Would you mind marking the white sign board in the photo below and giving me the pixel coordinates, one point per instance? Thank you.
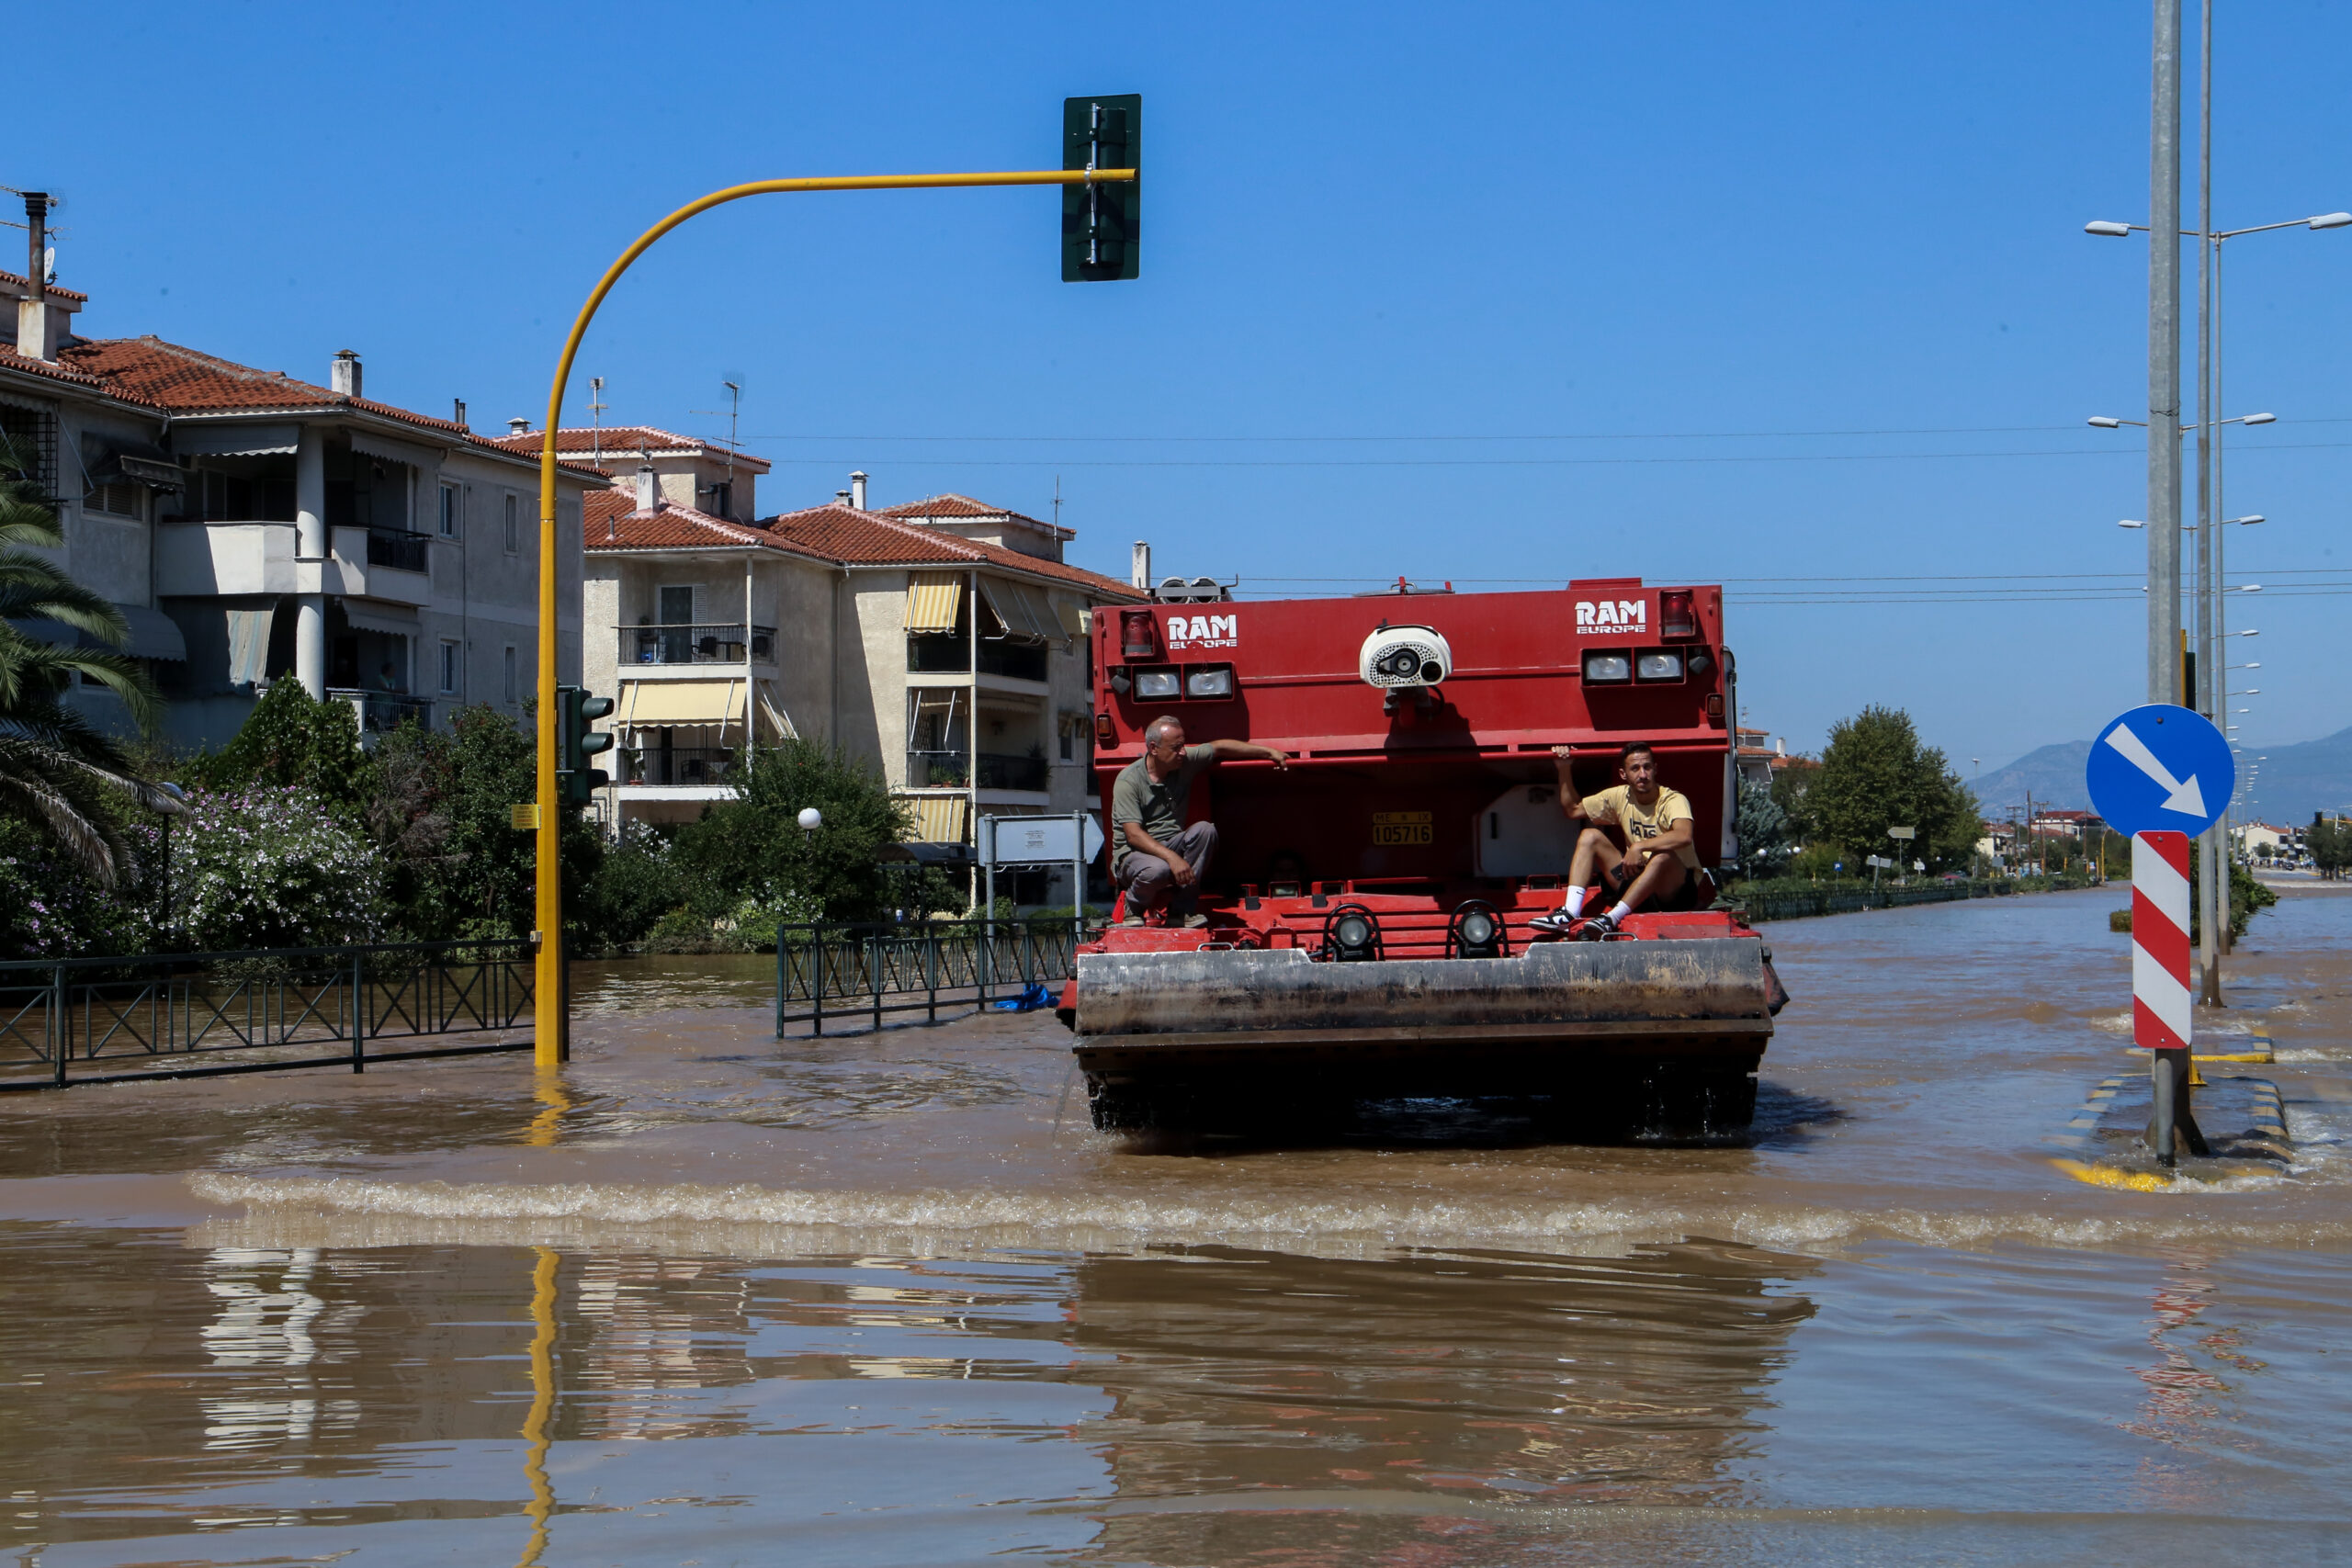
(1905, 833)
(1039, 840)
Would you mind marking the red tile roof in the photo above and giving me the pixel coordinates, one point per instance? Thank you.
(177, 381)
(11, 360)
(958, 506)
(871, 538)
(836, 534)
(624, 440)
(15, 280)
(612, 523)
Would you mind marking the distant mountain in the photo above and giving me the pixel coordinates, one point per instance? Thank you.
(2315, 776)
(2296, 781)
(2054, 774)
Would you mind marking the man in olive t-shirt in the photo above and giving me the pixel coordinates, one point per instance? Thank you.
(1160, 860)
(1658, 864)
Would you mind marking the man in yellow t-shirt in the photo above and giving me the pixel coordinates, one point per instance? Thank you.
(1656, 863)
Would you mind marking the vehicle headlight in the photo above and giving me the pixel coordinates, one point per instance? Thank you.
(1478, 929)
(1209, 680)
(1659, 667)
(1600, 666)
(1155, 682)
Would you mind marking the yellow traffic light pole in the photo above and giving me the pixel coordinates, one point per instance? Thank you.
(553, 1032)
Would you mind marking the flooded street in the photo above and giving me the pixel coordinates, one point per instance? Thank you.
(713, 1298)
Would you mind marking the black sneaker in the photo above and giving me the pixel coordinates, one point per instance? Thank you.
(1601, 927)
(1554, 922)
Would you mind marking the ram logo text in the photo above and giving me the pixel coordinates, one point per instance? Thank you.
(1604, 617)
(1203, 631)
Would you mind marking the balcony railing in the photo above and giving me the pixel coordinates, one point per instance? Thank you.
(380, 713)
(673, 765)
(953, 655)
(401, 551)
(701, 643)
(952, 770)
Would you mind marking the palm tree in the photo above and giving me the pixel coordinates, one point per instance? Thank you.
(55, 766)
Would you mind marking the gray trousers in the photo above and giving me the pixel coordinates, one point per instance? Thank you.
(1150, 882)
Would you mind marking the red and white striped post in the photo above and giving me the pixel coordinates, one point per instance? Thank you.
(2160, 994)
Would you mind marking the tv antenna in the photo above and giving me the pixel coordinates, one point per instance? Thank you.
(733, 411)
(1058, 501)
(596, 406)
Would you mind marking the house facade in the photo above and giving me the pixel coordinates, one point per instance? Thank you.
(941, 641)
(253, 526)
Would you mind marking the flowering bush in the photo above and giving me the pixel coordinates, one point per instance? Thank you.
(271, 867)
(50, 909)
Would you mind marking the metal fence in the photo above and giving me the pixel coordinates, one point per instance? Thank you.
(158, 1015)
(859, 974)
(1842, 899)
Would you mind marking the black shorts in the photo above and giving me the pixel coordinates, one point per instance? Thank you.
(1697, 892)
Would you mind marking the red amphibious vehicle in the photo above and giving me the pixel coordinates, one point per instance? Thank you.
(1368, 907)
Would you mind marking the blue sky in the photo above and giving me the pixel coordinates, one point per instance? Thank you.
(1483, 293)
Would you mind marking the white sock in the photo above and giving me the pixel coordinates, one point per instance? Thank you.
(1576, 901)
(1619, 911)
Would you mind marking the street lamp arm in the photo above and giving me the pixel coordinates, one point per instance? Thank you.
(548, 1002)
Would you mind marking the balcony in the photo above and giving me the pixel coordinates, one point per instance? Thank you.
(952, 770)
(953, 655)
(673, 765)
(400, 550)
(716, 642)
(380, 713)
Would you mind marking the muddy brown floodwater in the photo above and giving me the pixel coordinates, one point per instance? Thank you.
(713, 1298)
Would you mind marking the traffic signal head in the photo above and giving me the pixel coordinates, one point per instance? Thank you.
(576, 740)
(1102, 224)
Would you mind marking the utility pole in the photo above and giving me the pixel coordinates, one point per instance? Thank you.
(2163, 361)
(2211, 679)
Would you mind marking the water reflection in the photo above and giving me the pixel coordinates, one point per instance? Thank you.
(1549, 1379)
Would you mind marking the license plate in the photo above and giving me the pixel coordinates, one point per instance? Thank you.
(1402, 828)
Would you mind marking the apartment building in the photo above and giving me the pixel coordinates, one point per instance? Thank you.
(941, 640)
(253, 526)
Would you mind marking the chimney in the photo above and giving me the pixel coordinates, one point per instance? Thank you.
(518, 427)
(857, 491)
(1139, 573)
(458, 415)
(343, 376)
(841, 497)
(649, 489)
(32, 311)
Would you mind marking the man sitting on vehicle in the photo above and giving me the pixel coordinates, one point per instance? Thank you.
(1656, 865)
(1162, 860)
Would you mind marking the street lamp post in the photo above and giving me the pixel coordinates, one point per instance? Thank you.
(551, 1029)
(2210, 556)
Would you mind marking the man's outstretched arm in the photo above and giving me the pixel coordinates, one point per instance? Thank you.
(1237, 751)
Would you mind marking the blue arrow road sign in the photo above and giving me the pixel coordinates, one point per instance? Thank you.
(2161, 767)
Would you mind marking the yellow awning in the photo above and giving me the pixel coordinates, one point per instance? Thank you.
(683, 702)
(938, 818)
(1026, 610)
(774, 720)
(935, 599)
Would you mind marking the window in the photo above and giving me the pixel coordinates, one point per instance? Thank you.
(506, 682)
(31, 433)
(449, 511)
(450, 663)
(514, 525)
(119, 498)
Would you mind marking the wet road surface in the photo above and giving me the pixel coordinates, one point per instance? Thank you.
(714, 1298)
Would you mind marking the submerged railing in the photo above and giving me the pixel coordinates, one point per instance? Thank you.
(157, 1015)
(851, 973)
(1845, 898)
